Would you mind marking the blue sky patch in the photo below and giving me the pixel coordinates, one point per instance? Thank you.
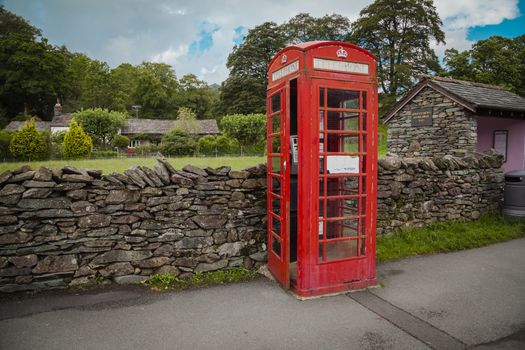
(239, 33)
(509, 28)
(205, 41)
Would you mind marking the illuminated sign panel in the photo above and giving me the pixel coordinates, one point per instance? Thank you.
(286, 70)
(341, 66)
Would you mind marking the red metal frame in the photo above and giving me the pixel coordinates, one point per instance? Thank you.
(321, 276)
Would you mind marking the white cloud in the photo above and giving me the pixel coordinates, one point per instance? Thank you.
(171, 55)
(132, 31)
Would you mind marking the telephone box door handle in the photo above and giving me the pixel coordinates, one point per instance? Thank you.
(284, 165)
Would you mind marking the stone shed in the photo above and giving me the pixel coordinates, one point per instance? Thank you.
(443, 116)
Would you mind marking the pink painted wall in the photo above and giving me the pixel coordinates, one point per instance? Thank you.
(515, 140)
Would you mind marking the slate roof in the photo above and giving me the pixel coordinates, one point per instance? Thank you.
(62, 119)
(161, 126)
(473, 96)
(17, 125)
(133, 126)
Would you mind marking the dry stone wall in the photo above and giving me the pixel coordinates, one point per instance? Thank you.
(414, 192)
(70, 227)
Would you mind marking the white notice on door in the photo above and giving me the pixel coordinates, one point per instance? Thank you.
(342, 165)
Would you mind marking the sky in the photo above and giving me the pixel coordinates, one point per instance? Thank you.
(197, 36)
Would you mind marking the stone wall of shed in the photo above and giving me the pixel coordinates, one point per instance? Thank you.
(453, 131)
(67, 227)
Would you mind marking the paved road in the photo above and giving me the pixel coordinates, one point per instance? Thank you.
(465, 299)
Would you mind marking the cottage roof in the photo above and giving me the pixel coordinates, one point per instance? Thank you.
(62, 119)
(17, 125)
(161, 126)
(473, 96)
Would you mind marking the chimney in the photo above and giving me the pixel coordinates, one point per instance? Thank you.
(58, 108)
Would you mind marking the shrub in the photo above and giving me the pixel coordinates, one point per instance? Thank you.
(206, 145)
(120, 141)
(28, 143)
(177, 143)
(77, 144)
(100, 124)
(5, 140)
(103, 154)
(248, 129)
(146, 149)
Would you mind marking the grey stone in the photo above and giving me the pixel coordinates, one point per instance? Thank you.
(11, 189)
(24, 260)
(43, 174)
(260, 256)
(194, 242)
(83, 207)
(122, 196)
(162, 172)
(48, 203)
(117, 269)
(203, 267)
(47, 213)
(121, 255)
(94, 221)
(8, 219)
(56, 263)
(210, 221)
(238, 174)
(77, 194)
(15, 238)
(153, 262)
(37, 193)
(28, 175)
(14, 271)
(101, 232)
(168, 270)
(69, 186)
(77, 178)
(5, 176)
(39, 184)
(230, 249)
(195, 170)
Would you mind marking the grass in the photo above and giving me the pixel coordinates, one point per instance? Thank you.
(121, 164)
(382, 135)
(448, 237)
(171, 282)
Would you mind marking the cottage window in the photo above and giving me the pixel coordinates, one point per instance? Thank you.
(134, 143)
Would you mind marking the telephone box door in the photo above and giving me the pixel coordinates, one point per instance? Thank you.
(278, 145)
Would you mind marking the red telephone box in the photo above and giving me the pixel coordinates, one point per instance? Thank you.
(322, 167)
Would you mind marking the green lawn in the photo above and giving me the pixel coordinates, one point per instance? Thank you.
(121, 164)
(448, 237)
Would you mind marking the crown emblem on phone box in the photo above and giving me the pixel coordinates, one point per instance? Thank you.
(342, 53)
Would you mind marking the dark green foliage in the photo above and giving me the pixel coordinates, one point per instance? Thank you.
(77, 144)
(5, 140)
(11, 23)
(196, 95)
(215, 145)
(244, 90)
(496, 60)
(100, 124)
(177, 143)
(247, 129)
(399, 33)
(448, 237)
(120, 141)
(27, 143)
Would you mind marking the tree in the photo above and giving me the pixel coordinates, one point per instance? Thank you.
(304, 27)
(496, 60)
(32, 74)
(5, 141)
(246, 129)
(399, 32)
(197, 95)
(11, 23)
(77, 144)
(120, 141)
(27, 143)
(156, 90)
(177, 143)
(187, 121)
(100, 124)
(123, 82)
